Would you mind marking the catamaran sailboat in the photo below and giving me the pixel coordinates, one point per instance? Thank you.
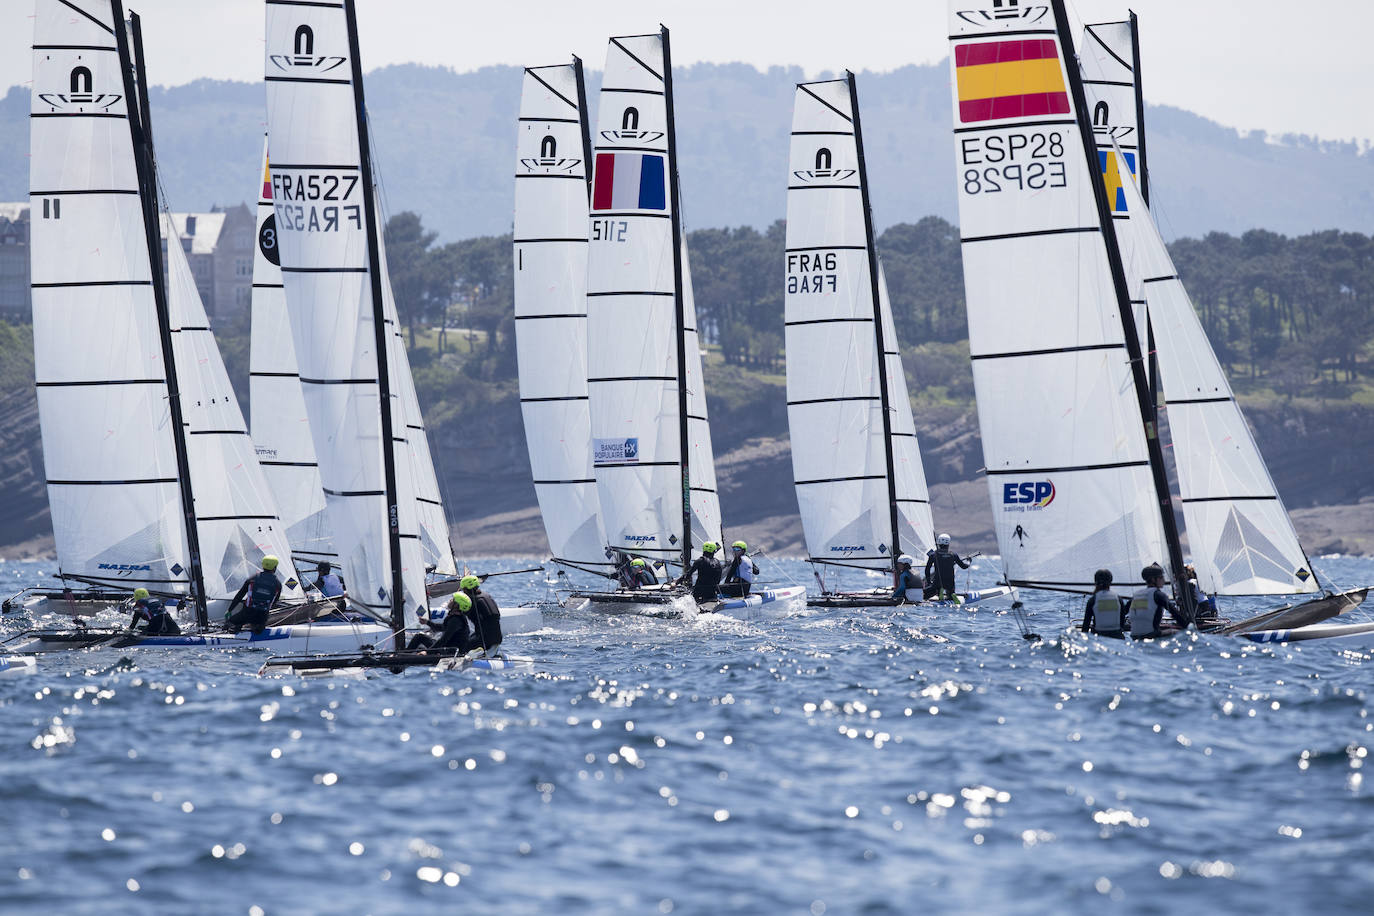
(151, 475)
(856, 463)
(1070, 428)
(651, 440)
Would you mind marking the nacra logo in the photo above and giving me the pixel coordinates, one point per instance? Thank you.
(641, 538)
(853, 548)
(127, 567)
(1027, 496)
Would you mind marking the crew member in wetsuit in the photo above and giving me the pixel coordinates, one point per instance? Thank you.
(330, 584)
(910, 586)
(1203, 603)
(940, 569)
(486, 614)
(707, 570)
(739, 575)
(1148, 604)
(454, 632)
(151, 617)
(258, 595)
(1103, 613)
(624, 573)
(640, 574)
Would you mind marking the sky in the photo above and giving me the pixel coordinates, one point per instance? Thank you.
(1271, 65)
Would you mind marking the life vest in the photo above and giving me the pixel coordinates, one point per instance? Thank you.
(1142, 612)
(1106, 612)
(264, 591)
(331, 586)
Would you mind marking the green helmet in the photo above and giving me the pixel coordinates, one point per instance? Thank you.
(709, 547)
(462, 602)
(140, 593)
(269, 562)
(467, 583)
(739, 545)
(636, 562)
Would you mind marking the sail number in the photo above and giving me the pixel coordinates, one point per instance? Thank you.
(1013, 162)
(812, 272)
(609, 230)
(308, 189)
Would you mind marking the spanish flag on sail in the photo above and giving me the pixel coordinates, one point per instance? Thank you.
(266, 179)
(1009, 79)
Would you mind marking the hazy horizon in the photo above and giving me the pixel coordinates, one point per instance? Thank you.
(1263, 68)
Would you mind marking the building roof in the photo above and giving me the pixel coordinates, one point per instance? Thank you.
(14, 210)
(207, 229)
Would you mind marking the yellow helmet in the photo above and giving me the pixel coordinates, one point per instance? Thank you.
(462, 602)
(269, 562)
(636, 562)
(140, 593)
(469, 582)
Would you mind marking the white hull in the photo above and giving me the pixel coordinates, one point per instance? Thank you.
(769, 602)
(316, 637)
(14, 665)
(1347, 635)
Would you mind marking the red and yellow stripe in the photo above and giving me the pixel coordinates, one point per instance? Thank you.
(1009, 79)
(266, 180)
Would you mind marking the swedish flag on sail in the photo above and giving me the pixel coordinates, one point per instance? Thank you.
(1112, 177)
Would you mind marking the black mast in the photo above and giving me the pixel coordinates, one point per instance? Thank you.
(1148, 409)
(140, 127)
(1142, 174)
(398, 620)
(583, 125)
(877, 320)
(679, 305)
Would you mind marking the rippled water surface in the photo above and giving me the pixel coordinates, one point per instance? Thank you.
(850, 761)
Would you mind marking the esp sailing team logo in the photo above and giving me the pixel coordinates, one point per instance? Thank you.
(82, 95)
(1027, 496)
(548, 162)
(1003, 10)
(825, 170)
(303, 58)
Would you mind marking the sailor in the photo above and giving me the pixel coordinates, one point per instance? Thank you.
(640, 574)
(258, 595)
(739, 575)
(1103, 614)
(940, 569)
(910, 586)
(486, 614)
(1148, 604)
(1205, 606)
(330, 584)
(151, 617)
(623, 571)
(454, 632)
(707, 570)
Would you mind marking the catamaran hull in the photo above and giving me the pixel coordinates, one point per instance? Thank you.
(318, 637)
(14, 665)
(750, 607)
(357, 664)
(1347, 635)
(883, 598)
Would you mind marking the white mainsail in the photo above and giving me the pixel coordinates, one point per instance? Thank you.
(108, 447)
(1240, 536)
(856, 474)
(280, 423)
(639, 319)
(236, 516)
(1069, 466)
(323, 211)
(551, 212)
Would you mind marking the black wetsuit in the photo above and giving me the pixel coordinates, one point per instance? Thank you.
(258, 595)
(151, 618)
(940, 572)
(486, 619)
(641, 576)
(907, 580)
(708, 571)
(455, 632)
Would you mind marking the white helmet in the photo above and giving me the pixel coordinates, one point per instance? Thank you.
(904, 560)
(942, 541)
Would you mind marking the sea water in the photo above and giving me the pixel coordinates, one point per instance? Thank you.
(891, 760)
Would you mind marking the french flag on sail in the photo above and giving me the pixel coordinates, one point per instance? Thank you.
(629, 181)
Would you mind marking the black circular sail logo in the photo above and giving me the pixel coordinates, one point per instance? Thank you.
(267, 240)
